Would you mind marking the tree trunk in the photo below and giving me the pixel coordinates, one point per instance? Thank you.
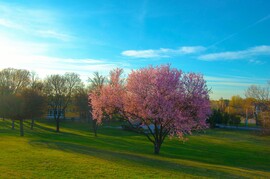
(32, 124)
(95, 126)
(256, 120)
(256, 116)
(95, 131)
(13, 124)
(246, 121)
(21, 127)
(156, 148)
(57, 125)
(88, 117)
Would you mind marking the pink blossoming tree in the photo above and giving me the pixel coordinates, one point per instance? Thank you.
(164, 99)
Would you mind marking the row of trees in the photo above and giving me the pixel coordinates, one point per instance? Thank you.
(163, 100)
(24, 96)
(255, 105)
(175, 103)
(20, 96)
(219, 117)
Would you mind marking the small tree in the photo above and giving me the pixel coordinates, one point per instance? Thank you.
(173, 102)
(235, 120)
(2, 107)
(13, 105)
(59, 90)
(34, 104)
(261, 96)
(12, 82)
(215, 118)
(225, 118)
(236, 105)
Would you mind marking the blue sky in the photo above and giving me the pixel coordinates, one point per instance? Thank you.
(227, 41)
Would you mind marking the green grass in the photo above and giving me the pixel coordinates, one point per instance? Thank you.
(76, 153)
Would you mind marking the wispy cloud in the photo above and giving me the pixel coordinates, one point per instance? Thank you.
(234, 81)
(163, 52)
(11, 47)
(258, 62)
(237, 55)
(34, 22)
(32, 56)
(46, 65)
(267, 17)
(8, 24)
(142, 53)
(226, 86)
(54, 34)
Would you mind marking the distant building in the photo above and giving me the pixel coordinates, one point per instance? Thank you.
(70, 113)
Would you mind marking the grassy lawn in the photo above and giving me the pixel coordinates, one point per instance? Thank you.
(76, 153)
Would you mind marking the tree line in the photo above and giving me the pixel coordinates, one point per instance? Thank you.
(25, 96)
(255, 105)
(164, 101)
(156, 101)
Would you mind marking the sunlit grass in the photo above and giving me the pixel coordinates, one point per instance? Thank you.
(76, 153)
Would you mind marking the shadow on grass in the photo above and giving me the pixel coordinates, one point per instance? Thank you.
(199, 159)
(43, 128)
(125, 141)
(6, 127)
(49, 132)
(156, 162)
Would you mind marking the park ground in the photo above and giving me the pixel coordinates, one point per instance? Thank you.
(115, 153)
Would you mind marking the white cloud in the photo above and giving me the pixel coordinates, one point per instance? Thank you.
(191, 49)
(142, 53)
(163, 52)
(237, 55)
(54, 34)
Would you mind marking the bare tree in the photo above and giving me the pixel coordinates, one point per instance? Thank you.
(261, 97)
(35, 82)
(97, 81)
(59, 90)
(13, 80)
(258, 92)
(35, 98)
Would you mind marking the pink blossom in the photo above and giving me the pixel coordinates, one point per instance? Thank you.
(174, 102)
